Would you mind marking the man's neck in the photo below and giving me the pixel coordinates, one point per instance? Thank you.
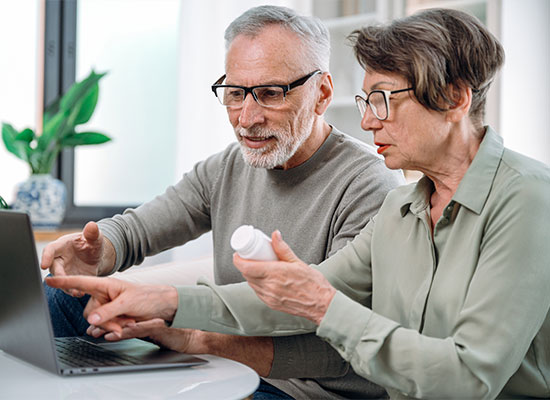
(319, 133)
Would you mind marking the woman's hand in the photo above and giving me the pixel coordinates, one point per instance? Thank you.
(115, 303)
(288, 285)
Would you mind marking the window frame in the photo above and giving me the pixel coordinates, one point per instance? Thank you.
(59, 74)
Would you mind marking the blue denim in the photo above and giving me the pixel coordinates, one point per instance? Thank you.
(267, 391)
(66, 312)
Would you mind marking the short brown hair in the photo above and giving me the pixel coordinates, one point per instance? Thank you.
(433, 49)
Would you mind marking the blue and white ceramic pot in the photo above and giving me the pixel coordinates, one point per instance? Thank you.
(44, 198)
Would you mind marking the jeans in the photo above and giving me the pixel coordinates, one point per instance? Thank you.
(267, 391)
(66, 312)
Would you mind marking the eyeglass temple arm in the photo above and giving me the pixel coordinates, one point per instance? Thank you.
(218, 82)
(302, 80)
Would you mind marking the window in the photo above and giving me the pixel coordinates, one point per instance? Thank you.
(20, 98)
(138, 99)
(155, 102)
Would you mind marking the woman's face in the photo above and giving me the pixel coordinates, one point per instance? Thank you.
(413, 136)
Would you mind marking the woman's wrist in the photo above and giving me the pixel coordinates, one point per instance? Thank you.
(325, 298)
(169, 301)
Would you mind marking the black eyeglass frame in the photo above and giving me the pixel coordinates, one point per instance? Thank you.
(250, 89)
(386, 93)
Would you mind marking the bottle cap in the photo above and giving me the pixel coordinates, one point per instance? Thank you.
(241, 237)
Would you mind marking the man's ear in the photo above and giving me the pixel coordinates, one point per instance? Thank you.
(324, 93)
(461, 95)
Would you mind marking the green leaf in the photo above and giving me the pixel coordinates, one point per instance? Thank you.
(51, 110)
(35, 160)
(87, 106)
(52, 129)
(27, 135)
(9, 133)
(84, 138)
(79, 90)
(3, 203)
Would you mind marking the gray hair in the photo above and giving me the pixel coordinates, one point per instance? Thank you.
(314, 34)
(434, 50)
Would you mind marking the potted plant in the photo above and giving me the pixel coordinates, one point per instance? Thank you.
(42, 196)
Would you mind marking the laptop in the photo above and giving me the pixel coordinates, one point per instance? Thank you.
(25, 326)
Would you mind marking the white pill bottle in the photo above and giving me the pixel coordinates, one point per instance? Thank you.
(252, 244)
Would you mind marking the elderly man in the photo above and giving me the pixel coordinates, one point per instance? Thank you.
(290, 170)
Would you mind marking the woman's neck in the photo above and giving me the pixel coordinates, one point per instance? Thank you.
(454, 161)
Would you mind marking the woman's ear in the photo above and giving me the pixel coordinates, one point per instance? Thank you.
(461, 95)
(324, 93)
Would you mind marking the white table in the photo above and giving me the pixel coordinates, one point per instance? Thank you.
(219, 379)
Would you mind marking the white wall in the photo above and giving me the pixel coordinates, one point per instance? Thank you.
(525, 82)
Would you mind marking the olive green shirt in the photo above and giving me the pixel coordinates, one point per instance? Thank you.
(460, 313)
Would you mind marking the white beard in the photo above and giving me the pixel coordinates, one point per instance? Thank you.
(274, 154)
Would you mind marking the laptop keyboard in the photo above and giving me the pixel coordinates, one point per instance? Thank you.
(78, 353)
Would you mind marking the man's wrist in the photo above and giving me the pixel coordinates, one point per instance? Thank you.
(108, 258)
(201, 342)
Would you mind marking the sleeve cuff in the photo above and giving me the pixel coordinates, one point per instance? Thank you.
(192, 303)
(344, 324)
(107, 231)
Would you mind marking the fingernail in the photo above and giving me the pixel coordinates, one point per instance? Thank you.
(94, 319)
(278, 233)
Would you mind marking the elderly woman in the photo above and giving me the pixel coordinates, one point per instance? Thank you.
(446, 293)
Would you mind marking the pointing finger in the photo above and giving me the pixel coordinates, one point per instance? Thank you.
(87, 284)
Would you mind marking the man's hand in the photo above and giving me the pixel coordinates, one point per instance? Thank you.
(85, 253)
(182, 340)
(256, 352)
(115, 303)
(288, 285)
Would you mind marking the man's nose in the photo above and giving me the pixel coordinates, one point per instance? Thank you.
(251, 112)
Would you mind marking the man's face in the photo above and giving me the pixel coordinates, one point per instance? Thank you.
(270, 137)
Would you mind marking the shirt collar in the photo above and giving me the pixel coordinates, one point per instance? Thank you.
(474, 188)
(418, 198)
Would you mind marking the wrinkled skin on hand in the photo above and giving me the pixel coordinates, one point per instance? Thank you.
(288, 285)
(84, 253)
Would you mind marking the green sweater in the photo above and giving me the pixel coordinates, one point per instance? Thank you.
(318, 206)
(460, 314)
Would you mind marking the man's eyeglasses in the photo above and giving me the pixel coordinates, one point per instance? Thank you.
(379, 102)
(265, 95)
